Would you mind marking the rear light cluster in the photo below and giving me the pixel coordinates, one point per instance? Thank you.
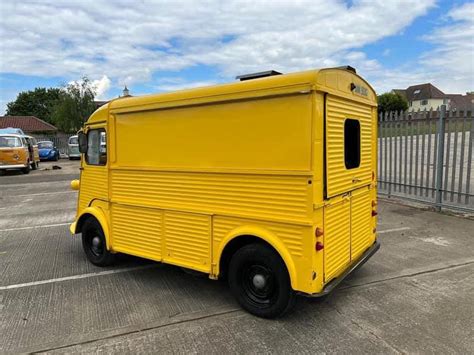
(319, 233)
(374, 206)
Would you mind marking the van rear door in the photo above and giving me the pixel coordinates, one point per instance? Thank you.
(347, 215)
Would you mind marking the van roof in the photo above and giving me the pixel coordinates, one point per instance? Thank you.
(339, 81)
(12, 135)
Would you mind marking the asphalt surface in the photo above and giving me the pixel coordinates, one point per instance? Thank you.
(416, 295)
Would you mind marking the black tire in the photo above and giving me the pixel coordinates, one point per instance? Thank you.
(94, 245)
(259, 281)
(26, 169)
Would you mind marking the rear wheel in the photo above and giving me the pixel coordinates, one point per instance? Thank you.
(259, 281)
(26, 169)
(94, 245)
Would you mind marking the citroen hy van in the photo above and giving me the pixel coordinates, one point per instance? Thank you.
(269, 182)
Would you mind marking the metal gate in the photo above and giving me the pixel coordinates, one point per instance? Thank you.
(427, 156)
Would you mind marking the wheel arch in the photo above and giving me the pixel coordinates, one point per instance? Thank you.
(242, 236)
(100, 217)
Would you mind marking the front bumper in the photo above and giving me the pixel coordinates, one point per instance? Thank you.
(358, 263)
(12, 166)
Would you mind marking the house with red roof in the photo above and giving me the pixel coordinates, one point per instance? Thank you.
(29, 124)
(429, 97)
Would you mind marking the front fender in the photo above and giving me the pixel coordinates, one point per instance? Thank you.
(268, 237)
(99, 216)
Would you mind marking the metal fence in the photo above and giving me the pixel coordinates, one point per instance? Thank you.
(60, 141)
(427, 156)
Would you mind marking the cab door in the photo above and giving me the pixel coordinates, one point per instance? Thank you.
(94, 175)
(347, 215)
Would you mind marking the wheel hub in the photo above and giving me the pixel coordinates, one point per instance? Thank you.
(96, 246)
(96, 242)
(259, 281)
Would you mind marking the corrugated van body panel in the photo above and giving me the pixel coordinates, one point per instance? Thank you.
(187, 240)
(267, 196)
(361, 222)
(137, 231)
(340, 179)
(94, 185)
(337, 238)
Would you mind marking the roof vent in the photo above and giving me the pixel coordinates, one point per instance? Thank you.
(347, 67)
(261, 74)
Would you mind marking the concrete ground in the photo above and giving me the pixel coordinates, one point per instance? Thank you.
(415, 295)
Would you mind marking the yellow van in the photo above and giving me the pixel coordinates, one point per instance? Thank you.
(269, 182)
(18, 152)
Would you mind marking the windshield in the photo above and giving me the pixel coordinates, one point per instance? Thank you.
(10, 142)
(45, 145)
(73, 140)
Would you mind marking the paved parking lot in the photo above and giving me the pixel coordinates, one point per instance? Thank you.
(415, 295)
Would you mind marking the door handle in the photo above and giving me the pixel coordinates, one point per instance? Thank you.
(356, 180)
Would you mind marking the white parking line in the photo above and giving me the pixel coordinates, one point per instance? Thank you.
(393, 230)
(77, 277)
(34, 227)
(46, 193)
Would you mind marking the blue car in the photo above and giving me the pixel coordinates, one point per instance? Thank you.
(48, 151)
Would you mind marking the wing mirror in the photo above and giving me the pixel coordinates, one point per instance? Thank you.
(82, 138)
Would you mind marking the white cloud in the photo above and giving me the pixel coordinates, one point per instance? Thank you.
(127, 42)
(449, 65)
(101, 86)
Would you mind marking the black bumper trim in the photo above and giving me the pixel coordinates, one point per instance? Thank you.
(335, 282)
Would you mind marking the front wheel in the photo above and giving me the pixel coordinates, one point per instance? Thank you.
(259, 281)
(94, 245)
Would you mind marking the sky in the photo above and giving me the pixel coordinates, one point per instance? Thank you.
(158, 46)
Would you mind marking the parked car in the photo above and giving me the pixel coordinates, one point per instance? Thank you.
(48, 151)
(15, 153)
(12, 130)
(73, 148)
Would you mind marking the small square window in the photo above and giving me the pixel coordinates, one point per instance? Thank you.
(424, 102)
(351, 143)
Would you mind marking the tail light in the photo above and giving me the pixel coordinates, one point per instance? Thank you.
(374, 205)
(319, 246)
(318, 232)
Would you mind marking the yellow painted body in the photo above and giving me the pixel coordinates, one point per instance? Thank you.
(14, 156)
(190, 171)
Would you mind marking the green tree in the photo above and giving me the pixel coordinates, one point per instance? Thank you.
(392, 102)
(75, 105)
(38, 102)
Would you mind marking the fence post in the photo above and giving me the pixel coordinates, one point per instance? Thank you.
(439, 159)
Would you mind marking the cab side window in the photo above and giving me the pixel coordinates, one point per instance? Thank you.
(96, 147)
